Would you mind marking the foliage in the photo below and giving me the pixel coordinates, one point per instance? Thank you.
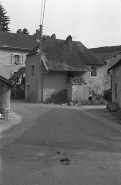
(23, 31)
(19, 31)
(4, 20)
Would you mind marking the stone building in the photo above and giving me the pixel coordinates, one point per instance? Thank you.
(62, 60)
(13, 50)
(5, 93)
(115, 71)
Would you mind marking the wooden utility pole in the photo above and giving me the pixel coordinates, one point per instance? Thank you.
(40, 71)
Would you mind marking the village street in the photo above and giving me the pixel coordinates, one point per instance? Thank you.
(60, 145)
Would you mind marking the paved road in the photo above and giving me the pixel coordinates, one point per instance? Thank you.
(59, 145)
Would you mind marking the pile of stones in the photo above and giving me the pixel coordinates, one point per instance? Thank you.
(58, 98)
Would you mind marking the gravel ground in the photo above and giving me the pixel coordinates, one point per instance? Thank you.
(115, 116)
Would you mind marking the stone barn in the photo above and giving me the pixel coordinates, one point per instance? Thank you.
(5, 94)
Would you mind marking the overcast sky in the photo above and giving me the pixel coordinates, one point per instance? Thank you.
(95, 23)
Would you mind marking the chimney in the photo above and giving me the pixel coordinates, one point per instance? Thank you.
(69, 40)
(38, 35)
(53, 36)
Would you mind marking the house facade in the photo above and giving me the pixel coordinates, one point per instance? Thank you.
(107, 54)
(63, 64)
(115, 71)
(13, 50)
(5, 93)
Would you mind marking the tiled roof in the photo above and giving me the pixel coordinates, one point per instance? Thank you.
(19, 73)
(61, 56)
(106, 49)
(106, 53)
(17, 41)
(90, 59)
(117, 61)
(6, 80)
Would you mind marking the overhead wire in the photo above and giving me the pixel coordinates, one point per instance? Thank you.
(43, 11)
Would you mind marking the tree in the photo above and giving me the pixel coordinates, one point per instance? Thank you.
(23, 31)
(19, 31)
(4, 20)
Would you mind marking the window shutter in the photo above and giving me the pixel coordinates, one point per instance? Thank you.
(21, 59)
(12, 58)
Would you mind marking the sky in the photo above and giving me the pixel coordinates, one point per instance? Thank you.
(95, 23)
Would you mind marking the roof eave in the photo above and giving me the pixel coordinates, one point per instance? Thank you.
(113, 66)
(15, 48)
(74, 70)
(6, 80)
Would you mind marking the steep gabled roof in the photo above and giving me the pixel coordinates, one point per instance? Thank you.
(17, 41)
(6, 80)
(58, 55)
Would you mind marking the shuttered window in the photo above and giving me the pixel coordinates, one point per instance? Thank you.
(12, 58)
(17, 59)
(21, 60)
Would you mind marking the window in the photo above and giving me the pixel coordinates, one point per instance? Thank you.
(16, 59)
(94, 71)
(32, 70)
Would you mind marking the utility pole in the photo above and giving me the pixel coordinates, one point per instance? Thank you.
(40, 72)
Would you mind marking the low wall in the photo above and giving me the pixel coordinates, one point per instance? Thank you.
(77, 92)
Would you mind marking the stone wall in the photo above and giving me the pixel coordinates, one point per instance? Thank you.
(77, 92)
(31, 81)
(116, 85)
(53, 82)
(5, 93)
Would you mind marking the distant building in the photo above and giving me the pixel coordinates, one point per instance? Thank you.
(107, 54)
(13, 50)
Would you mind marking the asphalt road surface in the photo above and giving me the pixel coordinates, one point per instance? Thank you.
(60, 145)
